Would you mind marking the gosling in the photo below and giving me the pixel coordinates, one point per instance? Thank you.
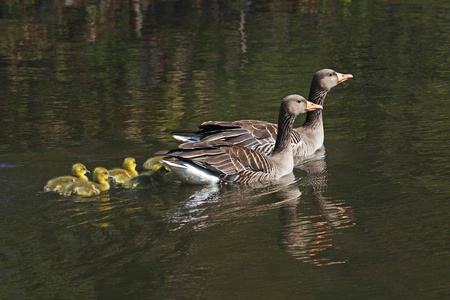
(128, 171)
(89, 188)
(59, 184)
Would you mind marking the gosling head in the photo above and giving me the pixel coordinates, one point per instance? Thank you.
(129, 163)
(100, 175)
(79, 170)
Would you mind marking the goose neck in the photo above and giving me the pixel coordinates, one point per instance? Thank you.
(283, 142)
(314, 118)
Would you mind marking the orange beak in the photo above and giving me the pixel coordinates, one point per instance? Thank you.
(312, 106)
(343, 77)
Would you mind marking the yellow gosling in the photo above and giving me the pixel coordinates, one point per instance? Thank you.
(154, 164)
(128, 171)
(89, 188)
(59, 184)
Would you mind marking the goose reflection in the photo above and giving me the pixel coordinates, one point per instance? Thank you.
(215, 204)
(307, 236)
(307, 227)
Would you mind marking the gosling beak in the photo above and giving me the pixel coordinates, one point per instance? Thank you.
(113, 180)
(87, 171)
(312, 106)
(343, 77)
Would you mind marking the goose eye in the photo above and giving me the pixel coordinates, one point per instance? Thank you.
(331, 74)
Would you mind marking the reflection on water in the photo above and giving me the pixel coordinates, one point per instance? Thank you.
(95, 211)
(306, 230)
(308, 236)
(217, 204)
(192, 210)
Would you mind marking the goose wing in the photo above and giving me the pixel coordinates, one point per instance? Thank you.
(257, 135)
(252, 134)
(228, 161)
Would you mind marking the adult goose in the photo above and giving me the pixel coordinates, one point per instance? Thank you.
(210, 162)
(261, 135)
(59, 184)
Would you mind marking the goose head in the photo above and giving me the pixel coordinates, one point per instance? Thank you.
(295, 105)
(79, 170)
(328, 78)
(129, 164)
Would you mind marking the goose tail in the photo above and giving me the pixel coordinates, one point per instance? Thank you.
(190, 173)
(186, 139)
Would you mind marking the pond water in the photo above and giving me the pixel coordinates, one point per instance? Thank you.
(97, 81)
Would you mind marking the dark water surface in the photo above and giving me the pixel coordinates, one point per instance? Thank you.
(96, 81)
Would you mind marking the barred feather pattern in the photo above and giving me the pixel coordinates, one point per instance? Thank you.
(284, 136)
(229, 162)
(250, 135)
(245, 133)
(228, 156)
(314, 118)
(261, 136)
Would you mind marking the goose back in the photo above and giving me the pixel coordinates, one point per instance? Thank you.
(231, 163)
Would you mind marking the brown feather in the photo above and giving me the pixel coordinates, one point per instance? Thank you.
(259, 135)
(230, 160)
